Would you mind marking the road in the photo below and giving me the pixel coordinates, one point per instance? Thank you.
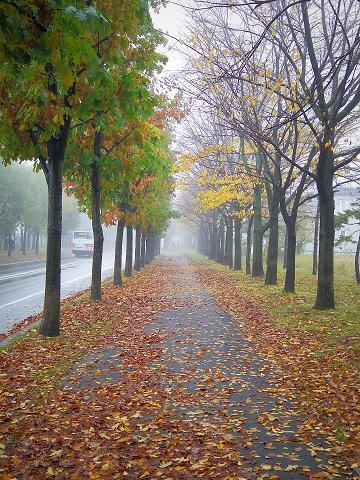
(22, 286)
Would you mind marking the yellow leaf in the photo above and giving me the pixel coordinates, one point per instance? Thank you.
(56, 453)
(289, 468)
(145, 474)
(50, 472)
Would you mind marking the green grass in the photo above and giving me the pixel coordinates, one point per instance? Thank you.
(17, 337)
(341, 325)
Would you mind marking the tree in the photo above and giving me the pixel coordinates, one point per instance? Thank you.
(12, 203)
(128, 64)
(287, 80)
(52, 83)
(50, 50)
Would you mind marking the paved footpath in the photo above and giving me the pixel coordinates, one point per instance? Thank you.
(186, 398)
(215, 411)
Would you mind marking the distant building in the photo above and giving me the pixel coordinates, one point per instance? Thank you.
(344, 197)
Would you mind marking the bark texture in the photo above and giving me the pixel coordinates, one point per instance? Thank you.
(289, 285)
(229, 243)
(129, 251)
(238, 244)
(316, 242)
(142, 250)
(273, 247)
(325, 298)
(257, 261)
(118, 252)
(96, 220)
(248, 245)
(50, 324)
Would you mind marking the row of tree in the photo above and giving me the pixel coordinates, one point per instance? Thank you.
(78, 98)
(23, 209)
(275, 89)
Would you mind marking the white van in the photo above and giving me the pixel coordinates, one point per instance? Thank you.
(83, 243)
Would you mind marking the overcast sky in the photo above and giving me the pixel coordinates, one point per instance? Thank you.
(170, 20)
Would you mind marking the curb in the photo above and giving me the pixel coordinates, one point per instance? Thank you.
(8, 340)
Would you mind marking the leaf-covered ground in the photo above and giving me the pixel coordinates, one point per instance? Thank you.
(158, 381)
(317, 351)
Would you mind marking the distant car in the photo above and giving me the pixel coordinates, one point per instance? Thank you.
(83, 243)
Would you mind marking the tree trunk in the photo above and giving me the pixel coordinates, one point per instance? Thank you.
(50, 324)
(150, 247)
(24, 240)
(325, 298)
(357, 254)
(273, 247)
(37, 243)
(137, 263)
(248, 245)
(147, 250)
(238, 244)
(289, 285)
(316, 242)
(21, 237)
(221, 243)
(257, 261)
(129, 251)
(118, 252)
(28, 239)
(9, 245)
(201, 241)
(213, 236)
(33, 242)
(96, 220)
(229, 243)
(142, 250)
(285, 247)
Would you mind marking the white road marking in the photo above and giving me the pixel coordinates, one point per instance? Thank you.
(21, 299)
(21, 274)
(30, 273)
(42, 292)
(20, 263)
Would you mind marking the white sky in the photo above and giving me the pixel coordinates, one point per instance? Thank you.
(170, 20)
